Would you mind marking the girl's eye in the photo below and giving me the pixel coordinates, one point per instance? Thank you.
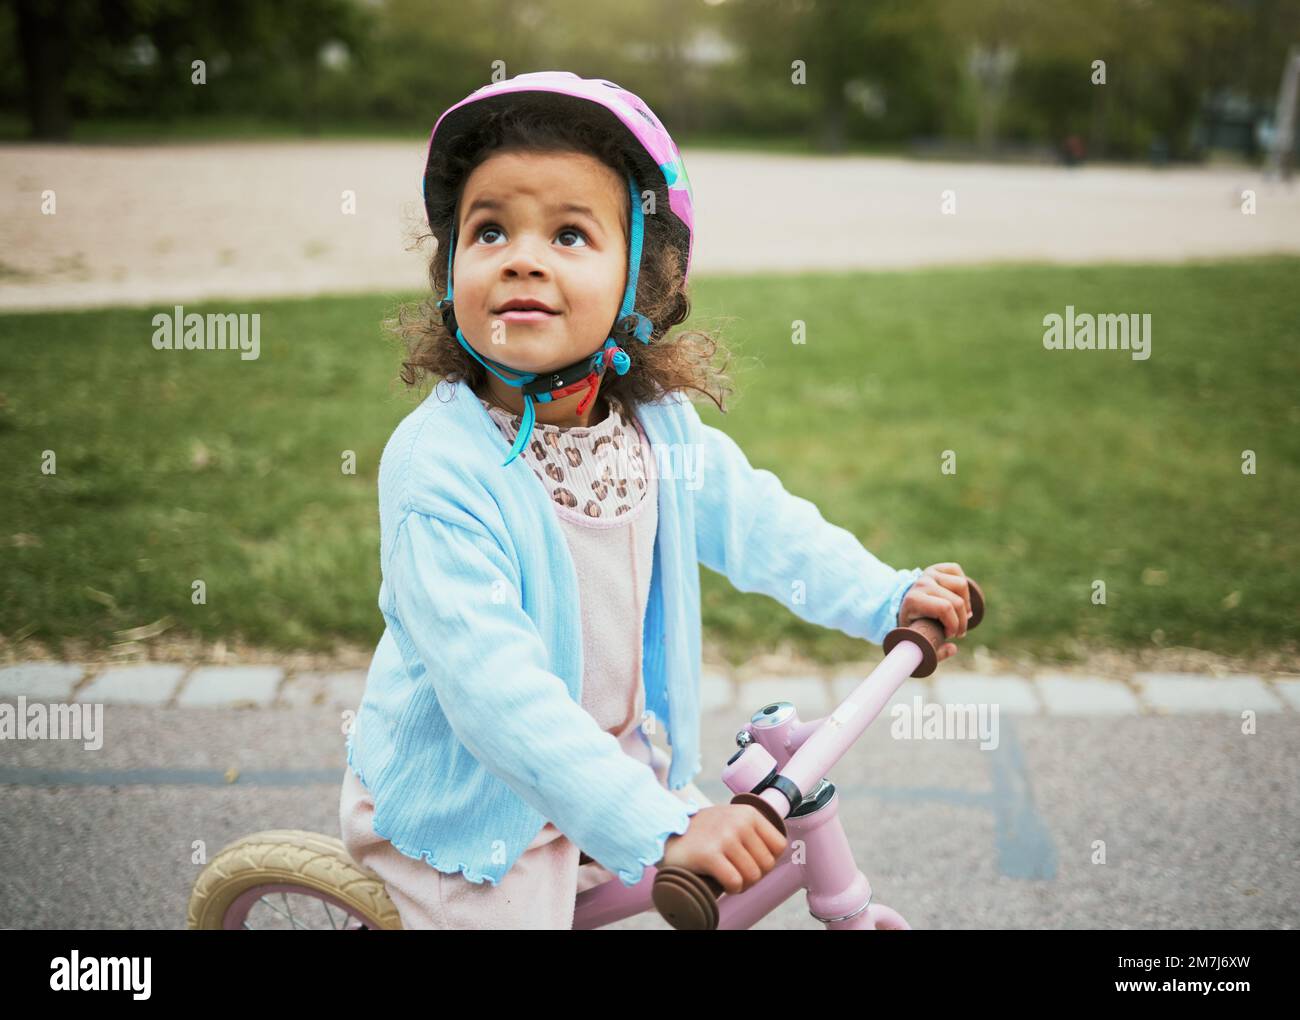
(572, 230)
(492, 228)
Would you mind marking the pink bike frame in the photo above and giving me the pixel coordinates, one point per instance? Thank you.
(817, 856)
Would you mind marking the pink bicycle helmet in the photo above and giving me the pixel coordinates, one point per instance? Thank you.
(657, 165)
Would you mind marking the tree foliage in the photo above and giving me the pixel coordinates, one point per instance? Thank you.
(990, 73)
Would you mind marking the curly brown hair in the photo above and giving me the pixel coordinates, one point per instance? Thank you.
(665, 365)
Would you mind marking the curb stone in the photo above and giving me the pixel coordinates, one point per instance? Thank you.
(342, 689)
(49, 680)
(721, 689)
(142, 683)
(1169, 693)
(230, 686)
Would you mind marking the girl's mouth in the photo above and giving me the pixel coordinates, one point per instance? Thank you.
(526, 315)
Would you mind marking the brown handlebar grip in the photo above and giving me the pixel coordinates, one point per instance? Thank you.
(687, 899)
(928, 634)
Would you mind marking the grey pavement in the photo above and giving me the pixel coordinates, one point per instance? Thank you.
(1163, 802)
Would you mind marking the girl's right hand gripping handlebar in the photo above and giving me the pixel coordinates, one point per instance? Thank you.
(688, 900)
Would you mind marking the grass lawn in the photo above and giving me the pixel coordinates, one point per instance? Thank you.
(1072, 466)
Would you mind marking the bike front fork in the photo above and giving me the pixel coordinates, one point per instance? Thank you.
(839, 894)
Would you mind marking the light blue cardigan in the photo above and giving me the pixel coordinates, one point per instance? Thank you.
(471, 734)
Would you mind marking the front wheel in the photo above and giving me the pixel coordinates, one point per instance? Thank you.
(288, 879)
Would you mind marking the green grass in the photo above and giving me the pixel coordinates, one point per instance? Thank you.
(1071, 465)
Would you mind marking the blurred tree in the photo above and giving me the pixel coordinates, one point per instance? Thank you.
(996, 72)
(438, 51)
(44, 38)
(136, 57)
(298, 33)
(847, 48)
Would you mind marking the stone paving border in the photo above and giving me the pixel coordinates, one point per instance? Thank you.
(1055, 694)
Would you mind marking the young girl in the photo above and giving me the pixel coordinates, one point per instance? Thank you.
(542, 520)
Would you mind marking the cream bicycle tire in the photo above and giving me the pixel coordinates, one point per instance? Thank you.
(281, 858)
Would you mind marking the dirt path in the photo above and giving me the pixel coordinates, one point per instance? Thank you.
(145, 224)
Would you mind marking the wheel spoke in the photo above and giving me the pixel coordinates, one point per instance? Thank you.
(292, 920)
(286, 911)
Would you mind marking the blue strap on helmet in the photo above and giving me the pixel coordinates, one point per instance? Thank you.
(629, 323)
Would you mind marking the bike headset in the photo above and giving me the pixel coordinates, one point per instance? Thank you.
(585, 372)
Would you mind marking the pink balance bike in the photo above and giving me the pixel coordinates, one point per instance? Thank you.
(781, 769)
(294, 879)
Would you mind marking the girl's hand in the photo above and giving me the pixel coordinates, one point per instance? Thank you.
(732, 842)
(941, 593)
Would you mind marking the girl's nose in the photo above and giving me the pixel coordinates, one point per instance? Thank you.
(524, 258)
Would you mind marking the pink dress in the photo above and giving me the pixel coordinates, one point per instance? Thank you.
(607, 505)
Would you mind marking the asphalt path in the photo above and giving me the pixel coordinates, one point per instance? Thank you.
(1197, 819)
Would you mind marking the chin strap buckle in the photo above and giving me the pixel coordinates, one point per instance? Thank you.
(448, 312)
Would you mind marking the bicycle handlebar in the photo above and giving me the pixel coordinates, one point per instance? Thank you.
(928, 634)
(688, 900)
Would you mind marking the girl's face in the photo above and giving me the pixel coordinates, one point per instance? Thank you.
(517, 240)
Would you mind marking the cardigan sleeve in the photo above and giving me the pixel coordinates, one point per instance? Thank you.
(455, 594)
(767, 540)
